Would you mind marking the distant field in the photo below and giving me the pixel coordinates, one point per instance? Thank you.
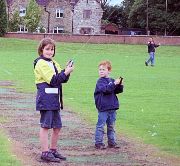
(150, 104)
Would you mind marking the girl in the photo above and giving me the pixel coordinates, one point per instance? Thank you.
(48, 78)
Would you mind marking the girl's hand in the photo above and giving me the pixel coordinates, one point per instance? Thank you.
(69, 68)
(70, 63)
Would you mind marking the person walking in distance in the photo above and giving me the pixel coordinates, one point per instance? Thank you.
(151, 50)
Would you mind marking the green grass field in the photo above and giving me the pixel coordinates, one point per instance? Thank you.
(6, 157)
(150, 104)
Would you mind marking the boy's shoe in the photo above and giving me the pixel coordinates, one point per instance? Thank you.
(100, 146)
(58, 155)
(146, 63)
(115, 146)
(49, 157)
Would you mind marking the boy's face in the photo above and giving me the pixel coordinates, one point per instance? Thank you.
(103, 71)
(48, 51)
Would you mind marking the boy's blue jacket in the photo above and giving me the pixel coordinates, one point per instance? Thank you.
(105, 94)
(48, 78)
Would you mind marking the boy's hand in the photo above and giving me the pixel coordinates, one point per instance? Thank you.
(117, 81)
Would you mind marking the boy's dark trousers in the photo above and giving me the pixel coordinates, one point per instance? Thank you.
(109, 118)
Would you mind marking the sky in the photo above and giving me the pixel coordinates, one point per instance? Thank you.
(115, 2)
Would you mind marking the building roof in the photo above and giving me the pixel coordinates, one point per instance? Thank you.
(9, 1)
(110, 27)
(74, 2)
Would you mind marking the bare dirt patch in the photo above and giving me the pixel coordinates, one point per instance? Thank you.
(76, 140)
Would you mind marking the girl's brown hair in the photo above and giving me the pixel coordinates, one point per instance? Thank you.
(106, 63)
(44, 42)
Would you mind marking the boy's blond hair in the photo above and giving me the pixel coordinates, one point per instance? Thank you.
(106, 63)
(44, 42)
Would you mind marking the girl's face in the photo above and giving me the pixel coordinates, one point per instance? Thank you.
(48, 51)
(103, 71)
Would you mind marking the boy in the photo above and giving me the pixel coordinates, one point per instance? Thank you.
(106, 103)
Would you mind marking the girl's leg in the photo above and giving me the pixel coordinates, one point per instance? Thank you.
(46, 124)
(54, 141)
(54, 138)
(43, 135)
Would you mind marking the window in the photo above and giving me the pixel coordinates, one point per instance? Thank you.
(22, 12)
(85, 30)
(59, 13)
(86, 14)
(22, 28)
(58, 30)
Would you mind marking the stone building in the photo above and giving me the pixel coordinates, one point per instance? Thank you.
(63, 16)
(87, 17)
(56, 16)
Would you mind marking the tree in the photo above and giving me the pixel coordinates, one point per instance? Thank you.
(33, 16)
(173, 17)
(3, 18)
(113, 14)
(127, 5)
(14, 22)
(137, 18)
(117, 14)
(103, 4)
(159, 18)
